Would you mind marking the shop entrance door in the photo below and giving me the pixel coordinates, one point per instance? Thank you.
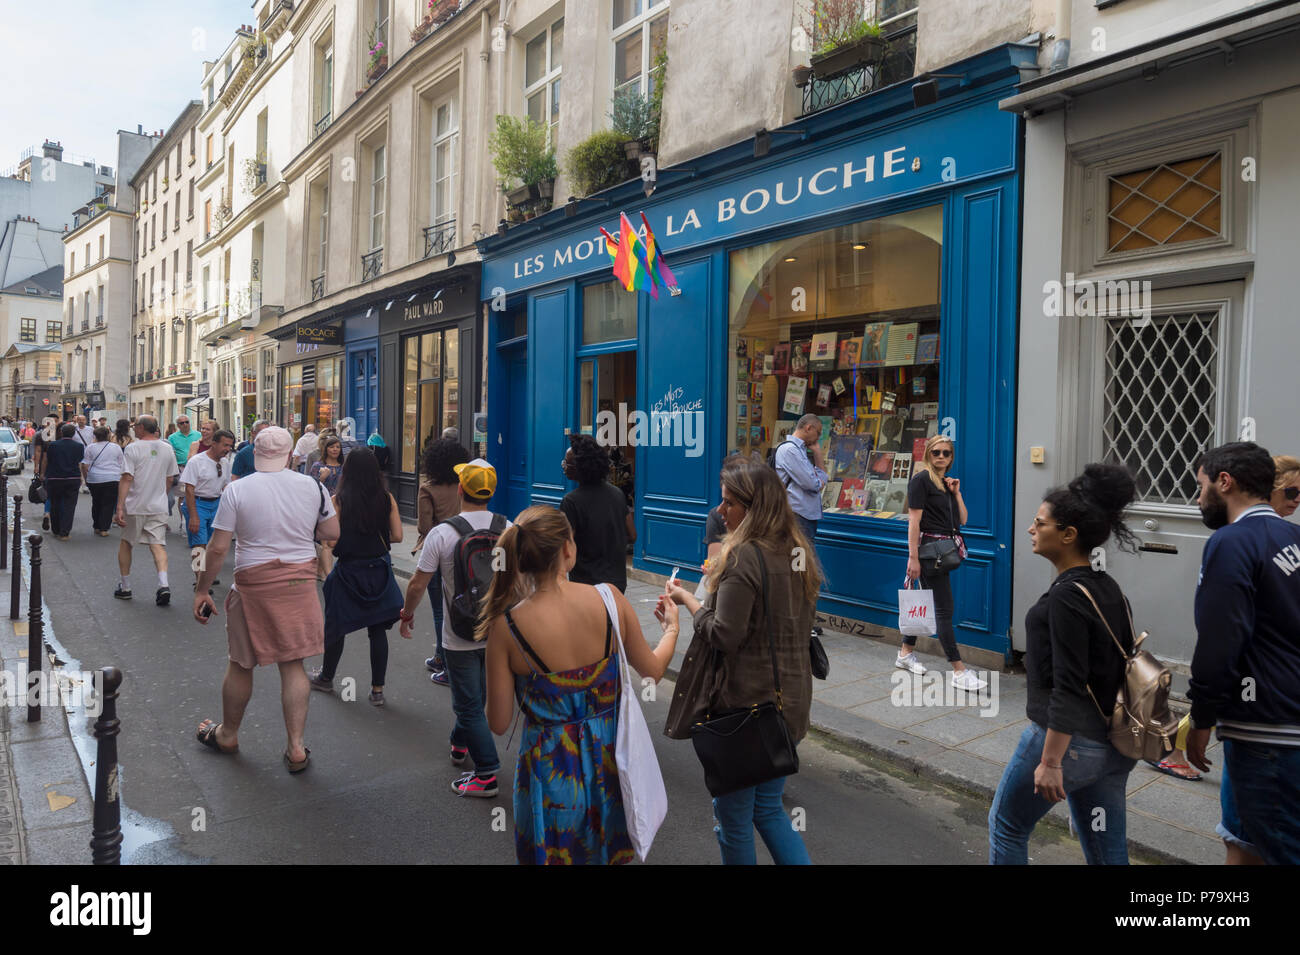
(516, 435)
(1164, 391)
(364, 386)
(607, 383)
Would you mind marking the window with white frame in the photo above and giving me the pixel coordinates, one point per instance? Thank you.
(640, 32)
(542, 57)
(378, 182)
(446, 126)
(321, 208)
(324, 91)
(377, 16)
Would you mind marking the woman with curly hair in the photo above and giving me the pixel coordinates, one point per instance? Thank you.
(1076, 639)
(598, 512)
(438, 501)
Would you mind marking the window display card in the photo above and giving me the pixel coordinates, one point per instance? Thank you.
(742, 368)
(769, 365)
(850, 353)
(742, 411)
(799, 357)
(831, 495)
(742, 347)
(823, 396)
(742, 435)
(838, 385)
(927, 349)
(795, 393)
(782, 430)
(755, 391)
(742, 391)
(918, 385)
(781, 359)
(755, 411)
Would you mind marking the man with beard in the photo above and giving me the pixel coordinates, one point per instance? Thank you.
(1246, 668)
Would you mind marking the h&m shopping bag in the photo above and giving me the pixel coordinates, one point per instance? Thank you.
(645, 800)
(915, 612)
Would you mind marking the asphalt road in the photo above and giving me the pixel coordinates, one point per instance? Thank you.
(378, 790)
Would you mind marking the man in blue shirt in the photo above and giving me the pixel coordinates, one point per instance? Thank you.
(243, 463)
(803, 479)
(1246, 667)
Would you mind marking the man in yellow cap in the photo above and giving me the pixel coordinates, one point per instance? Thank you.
(462, 548)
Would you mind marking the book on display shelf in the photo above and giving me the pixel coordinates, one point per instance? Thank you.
(742, 347)
(742, 410)
(838, 385)
(742, 368)
(756, 367)
(782, 430)
(927, 349)
(742, 391)
(799, 357)
(901, 348)
(769, 365)
(828, 425)
(875, 339)
(918, 386)
(831, 495)
(852, 494)
(848, 456)
(869, 424)
(757, 434)
(822, 357)
(823, 396)
(742, 434)
(850, 353)
(755, 411)
(756, 391)
(880, 465)
(796, 391)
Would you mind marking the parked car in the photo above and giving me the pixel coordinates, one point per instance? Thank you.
(11, 447)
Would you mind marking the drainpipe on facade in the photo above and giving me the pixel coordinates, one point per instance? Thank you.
(484, 53)
(1061, 48)
(503, 76)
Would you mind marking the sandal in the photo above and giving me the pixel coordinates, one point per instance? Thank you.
(1172, 769)
(207, 735)
(299, 766)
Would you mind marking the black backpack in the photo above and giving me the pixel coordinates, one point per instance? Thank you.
(472, 561)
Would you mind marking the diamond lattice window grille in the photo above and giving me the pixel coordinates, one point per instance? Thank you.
(1161, 398)
(1166, 204)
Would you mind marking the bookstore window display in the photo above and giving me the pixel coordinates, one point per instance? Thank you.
(842, 323)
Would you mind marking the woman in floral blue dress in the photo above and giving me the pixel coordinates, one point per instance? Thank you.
(555, 652)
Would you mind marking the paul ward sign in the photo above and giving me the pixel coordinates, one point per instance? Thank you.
(945, 151)
(446, 303)
(318, 335)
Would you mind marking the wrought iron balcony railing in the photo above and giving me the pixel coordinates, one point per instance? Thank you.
(439, 238)
(318, 286)
(372, 264)
(897, 63)
(321, 125)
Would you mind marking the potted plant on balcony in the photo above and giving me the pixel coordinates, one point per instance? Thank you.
(633, 120)
(521, 153)
(255, 172)
(596, 163)
(802, 74)
(378, 55)
(841, 39)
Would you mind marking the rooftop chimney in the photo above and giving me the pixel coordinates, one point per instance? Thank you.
(139, 129)
(52, 150)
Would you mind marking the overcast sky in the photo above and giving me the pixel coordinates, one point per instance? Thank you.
(76, 71)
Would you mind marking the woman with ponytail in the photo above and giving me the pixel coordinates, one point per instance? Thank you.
(550, 644)
(1071, 663)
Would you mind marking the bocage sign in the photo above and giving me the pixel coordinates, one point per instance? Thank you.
(936, 155)
(317, 335)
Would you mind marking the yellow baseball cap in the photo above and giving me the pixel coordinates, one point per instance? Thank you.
(477, 478)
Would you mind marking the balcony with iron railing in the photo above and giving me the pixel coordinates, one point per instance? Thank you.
(440, 238)
(82, 385)
(94, 385)
(321, 125)
(372, 264)
(99, 321)
(318, 287)
(895, 63)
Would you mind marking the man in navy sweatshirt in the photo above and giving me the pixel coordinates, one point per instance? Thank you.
(1246, 668)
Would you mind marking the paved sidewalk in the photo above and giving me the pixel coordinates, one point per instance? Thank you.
(959, 739)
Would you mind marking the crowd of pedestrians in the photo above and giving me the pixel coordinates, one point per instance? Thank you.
(531, 623)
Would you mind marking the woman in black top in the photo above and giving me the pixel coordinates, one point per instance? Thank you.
(1073, 668)
(62, 467)
(361, 590)
(935, 510)
(598, 512)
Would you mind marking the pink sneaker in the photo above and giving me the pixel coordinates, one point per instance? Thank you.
(472, 784)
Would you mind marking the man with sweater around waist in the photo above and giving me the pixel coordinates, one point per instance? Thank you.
(1246, 668)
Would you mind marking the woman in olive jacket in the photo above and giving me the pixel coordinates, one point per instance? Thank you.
(728, 665)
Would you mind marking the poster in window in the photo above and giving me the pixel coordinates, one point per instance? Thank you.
(927, 349)
(799, 357)
(850, 353)
(822, 357)
(848, 456)
(795, 393)
(874, 340)
(781, 359)
(901, 347)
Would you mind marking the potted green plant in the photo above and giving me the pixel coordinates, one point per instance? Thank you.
(377, 53)
(521, 153)
(633, 119)
(841, 39)
(596, 163)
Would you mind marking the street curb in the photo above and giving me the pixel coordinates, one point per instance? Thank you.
(12, 848)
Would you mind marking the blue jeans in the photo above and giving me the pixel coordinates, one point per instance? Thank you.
(434, 591)
(1094, 776)
(467, 674)
(738, 814)
(1266, 783)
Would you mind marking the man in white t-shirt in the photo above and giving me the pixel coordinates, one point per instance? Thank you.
(204, 478)
(464, 659)
(148, 472)
(273, 613)
(305, 446)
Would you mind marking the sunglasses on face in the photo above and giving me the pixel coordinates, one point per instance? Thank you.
(939, 453)
(1291, 493)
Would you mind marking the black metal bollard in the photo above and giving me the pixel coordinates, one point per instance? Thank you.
(4, 521)
(16, 577)
(106, 838)
(35, 636)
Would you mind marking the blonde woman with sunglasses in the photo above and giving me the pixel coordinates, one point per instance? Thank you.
(935, 510)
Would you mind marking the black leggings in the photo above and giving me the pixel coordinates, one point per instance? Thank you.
(943, 610)
(378, 654)
(103, 502)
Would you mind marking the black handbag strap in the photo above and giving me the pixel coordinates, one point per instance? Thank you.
(767, 625)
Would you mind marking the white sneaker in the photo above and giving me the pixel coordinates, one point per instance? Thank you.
(967, 680)
(909, 662)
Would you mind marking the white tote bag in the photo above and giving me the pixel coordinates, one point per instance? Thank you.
(916, 612)
(645, 801)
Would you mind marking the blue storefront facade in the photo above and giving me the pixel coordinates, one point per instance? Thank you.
(864, 269)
